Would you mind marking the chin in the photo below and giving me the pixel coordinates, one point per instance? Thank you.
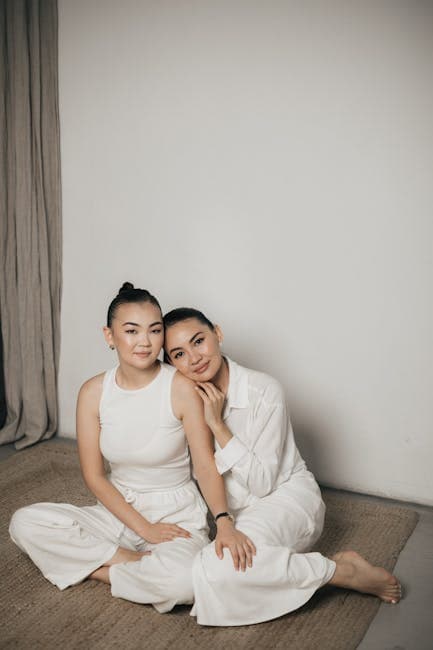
(207, 376)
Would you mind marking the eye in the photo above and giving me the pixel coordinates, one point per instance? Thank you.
(157, 331)
(132, 331)
(178, 355)
(198, 341)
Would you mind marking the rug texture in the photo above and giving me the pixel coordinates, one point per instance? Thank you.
(35, 614)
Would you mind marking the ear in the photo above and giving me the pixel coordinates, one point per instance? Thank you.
(108, 335)
(219, 334)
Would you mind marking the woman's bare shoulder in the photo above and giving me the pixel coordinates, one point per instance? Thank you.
(92, 388)
(184, 396)
(182, 386)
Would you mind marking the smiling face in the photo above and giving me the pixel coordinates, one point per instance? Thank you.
(194, 349)
(137, 334)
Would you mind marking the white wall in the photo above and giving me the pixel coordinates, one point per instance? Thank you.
(271, 163)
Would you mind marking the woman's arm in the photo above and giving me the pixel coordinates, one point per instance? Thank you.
(255, 466)
(92, 468)
(188, 407)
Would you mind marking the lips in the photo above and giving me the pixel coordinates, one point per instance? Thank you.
(143, 355)
(202, 368)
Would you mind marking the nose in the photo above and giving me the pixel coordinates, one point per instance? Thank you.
(195, 357)
(144, 340)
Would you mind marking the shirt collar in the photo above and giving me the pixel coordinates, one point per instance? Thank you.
(237, 392)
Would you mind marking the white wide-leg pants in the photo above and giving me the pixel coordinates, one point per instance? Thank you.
(283, 526)
(68, 543)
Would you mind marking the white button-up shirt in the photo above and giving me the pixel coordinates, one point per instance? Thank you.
(262, 455)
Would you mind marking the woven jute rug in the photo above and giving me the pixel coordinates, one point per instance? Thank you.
(35, 614)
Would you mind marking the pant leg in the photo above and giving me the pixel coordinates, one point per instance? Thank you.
(284, 576)
(67, 543)
(164, 578)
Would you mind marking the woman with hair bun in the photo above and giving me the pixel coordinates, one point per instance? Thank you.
(274, 499)
(150, 520)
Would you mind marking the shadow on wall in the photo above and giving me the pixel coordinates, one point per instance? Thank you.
(316, 442)
(316, 425)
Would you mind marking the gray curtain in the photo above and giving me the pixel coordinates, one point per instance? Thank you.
(30, 212)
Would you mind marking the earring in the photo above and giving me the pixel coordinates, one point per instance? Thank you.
(111, 347)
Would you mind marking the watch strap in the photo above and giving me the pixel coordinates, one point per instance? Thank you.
(224, 514)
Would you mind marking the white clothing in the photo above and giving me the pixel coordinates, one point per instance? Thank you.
(146, 447)
(141, 438)
(262, 455)
(276, 502)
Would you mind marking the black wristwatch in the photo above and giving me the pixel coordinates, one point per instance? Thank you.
(224, 514)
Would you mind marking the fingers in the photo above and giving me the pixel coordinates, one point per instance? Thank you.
(242, 553)
(185, 533)
(211, 391)
(235, 556)
(219, 549)
(251, 546)
(238, 552)
(249, 555)
(242, 558)
(245, 553)
(177, 531)
(240, 546)
(205, 387)
(171, 531)
(203, 395)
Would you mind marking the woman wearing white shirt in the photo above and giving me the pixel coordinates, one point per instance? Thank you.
(274, 499)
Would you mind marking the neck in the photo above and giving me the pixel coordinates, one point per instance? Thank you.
(132, 378)
(221, 379)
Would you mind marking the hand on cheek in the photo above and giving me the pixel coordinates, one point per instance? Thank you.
(213, 402)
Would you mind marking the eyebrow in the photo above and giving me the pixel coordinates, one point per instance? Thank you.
(190, 341)
(158, 322)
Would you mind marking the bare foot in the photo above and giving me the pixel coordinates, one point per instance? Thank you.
(124, 555)
(353, 572)
(102, 574)
(121, 555)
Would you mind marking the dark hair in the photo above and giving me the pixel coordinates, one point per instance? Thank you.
(180, 314)
(127, 293)
(184, 313)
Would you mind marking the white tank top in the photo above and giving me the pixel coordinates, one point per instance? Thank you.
(140, 437)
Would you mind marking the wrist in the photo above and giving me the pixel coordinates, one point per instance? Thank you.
(216, 425)
(222, 434)
(144, 529)
(224, 520)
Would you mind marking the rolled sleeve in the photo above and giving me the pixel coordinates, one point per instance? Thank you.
(233, 453)
(256, 467)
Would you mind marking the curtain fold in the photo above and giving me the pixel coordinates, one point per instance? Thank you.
(30, 211)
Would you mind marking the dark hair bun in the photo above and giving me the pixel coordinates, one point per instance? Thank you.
(126, 286)
(129, 294)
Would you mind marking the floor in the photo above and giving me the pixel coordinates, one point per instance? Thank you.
(409, 625)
